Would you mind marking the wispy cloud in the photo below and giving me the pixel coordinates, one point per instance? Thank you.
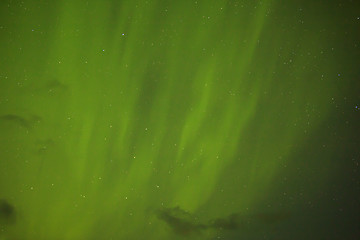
(185, 223)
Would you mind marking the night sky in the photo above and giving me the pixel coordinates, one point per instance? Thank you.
(177, 119)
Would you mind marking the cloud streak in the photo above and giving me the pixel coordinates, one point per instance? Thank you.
(183, 223)
(19, 120)
(180, 221)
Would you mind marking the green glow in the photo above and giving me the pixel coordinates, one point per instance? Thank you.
(115, 113)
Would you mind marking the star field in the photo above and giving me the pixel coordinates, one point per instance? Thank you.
(158, 119)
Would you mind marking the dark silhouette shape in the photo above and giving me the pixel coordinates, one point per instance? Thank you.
(54, 86)
(184, 223)
(181, 222)
(20, 121)
(16, 119)
(7, 212)
(231, 222)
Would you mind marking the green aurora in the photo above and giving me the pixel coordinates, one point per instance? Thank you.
(160, 119)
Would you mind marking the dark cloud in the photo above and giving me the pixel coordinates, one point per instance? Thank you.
(7, 212)
(184, 223)
(16, 119)
(230, 223)
(55, 86)
(180, 221)
(19, 120)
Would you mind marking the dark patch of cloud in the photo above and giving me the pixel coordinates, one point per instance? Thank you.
(54, 86)
(180, 221)
(16, 119)
(7, 212)
(229, 223)
(19, 120)
(184, 223)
